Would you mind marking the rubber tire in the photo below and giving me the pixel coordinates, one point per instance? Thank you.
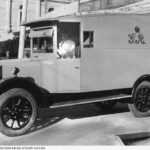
(133, 108)
(4, 99)
(106, 107)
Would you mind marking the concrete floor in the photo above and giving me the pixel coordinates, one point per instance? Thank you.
(81, 125)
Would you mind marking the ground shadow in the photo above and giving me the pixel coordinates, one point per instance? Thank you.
(47, 117)
(90, 110)
(138, 138)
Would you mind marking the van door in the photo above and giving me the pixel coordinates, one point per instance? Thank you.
(68, 75)
(68, 54)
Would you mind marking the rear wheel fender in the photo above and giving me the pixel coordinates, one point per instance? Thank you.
(139, 80)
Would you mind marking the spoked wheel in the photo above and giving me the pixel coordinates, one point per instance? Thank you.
(141, 100)
(106, 105)
(18, 112)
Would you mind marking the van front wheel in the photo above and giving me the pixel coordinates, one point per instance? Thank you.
(18, 111)
(141, 100)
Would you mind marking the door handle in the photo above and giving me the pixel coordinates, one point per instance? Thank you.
(77, 67)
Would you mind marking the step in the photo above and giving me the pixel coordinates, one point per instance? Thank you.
(91, 100)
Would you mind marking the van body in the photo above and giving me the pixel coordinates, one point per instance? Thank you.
(113, 52)
(77, 59)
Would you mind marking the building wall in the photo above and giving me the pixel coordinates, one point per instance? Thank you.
(15, 14)
(2, 16)
(90, 5)
(32, 13)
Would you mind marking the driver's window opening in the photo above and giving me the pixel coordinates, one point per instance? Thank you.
(43, 45)
(68, 40)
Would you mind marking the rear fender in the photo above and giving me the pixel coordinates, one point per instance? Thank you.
(139, 80)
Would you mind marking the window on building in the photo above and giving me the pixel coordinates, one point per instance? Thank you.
(88, 39)
(27, 46)
(19, 16)
(50, 9)
(109, 2)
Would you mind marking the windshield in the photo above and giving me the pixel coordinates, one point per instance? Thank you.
(43, 45)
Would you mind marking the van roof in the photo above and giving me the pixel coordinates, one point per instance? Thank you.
(139, 8)
(51, 21)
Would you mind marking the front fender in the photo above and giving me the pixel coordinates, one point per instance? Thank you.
(25, 83)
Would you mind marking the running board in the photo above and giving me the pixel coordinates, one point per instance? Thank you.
(91, 100)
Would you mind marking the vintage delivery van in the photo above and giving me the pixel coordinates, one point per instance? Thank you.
(77, 59)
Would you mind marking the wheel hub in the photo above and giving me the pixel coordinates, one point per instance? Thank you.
(17, 111)
(142, 99)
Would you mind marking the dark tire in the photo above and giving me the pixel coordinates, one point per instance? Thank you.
(18, 111)
(106, 105)
(141, 100)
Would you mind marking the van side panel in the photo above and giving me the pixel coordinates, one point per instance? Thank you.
(121, 51)
(90, 56)
(124, 59)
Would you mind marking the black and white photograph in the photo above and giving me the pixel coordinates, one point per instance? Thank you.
(74, 73)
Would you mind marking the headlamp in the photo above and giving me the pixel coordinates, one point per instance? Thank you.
(15, 71)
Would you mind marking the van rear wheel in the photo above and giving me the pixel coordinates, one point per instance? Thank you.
(141, 100)
(106, 105)
(18, 111)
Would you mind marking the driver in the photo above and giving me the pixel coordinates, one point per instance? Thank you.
(67, 49)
